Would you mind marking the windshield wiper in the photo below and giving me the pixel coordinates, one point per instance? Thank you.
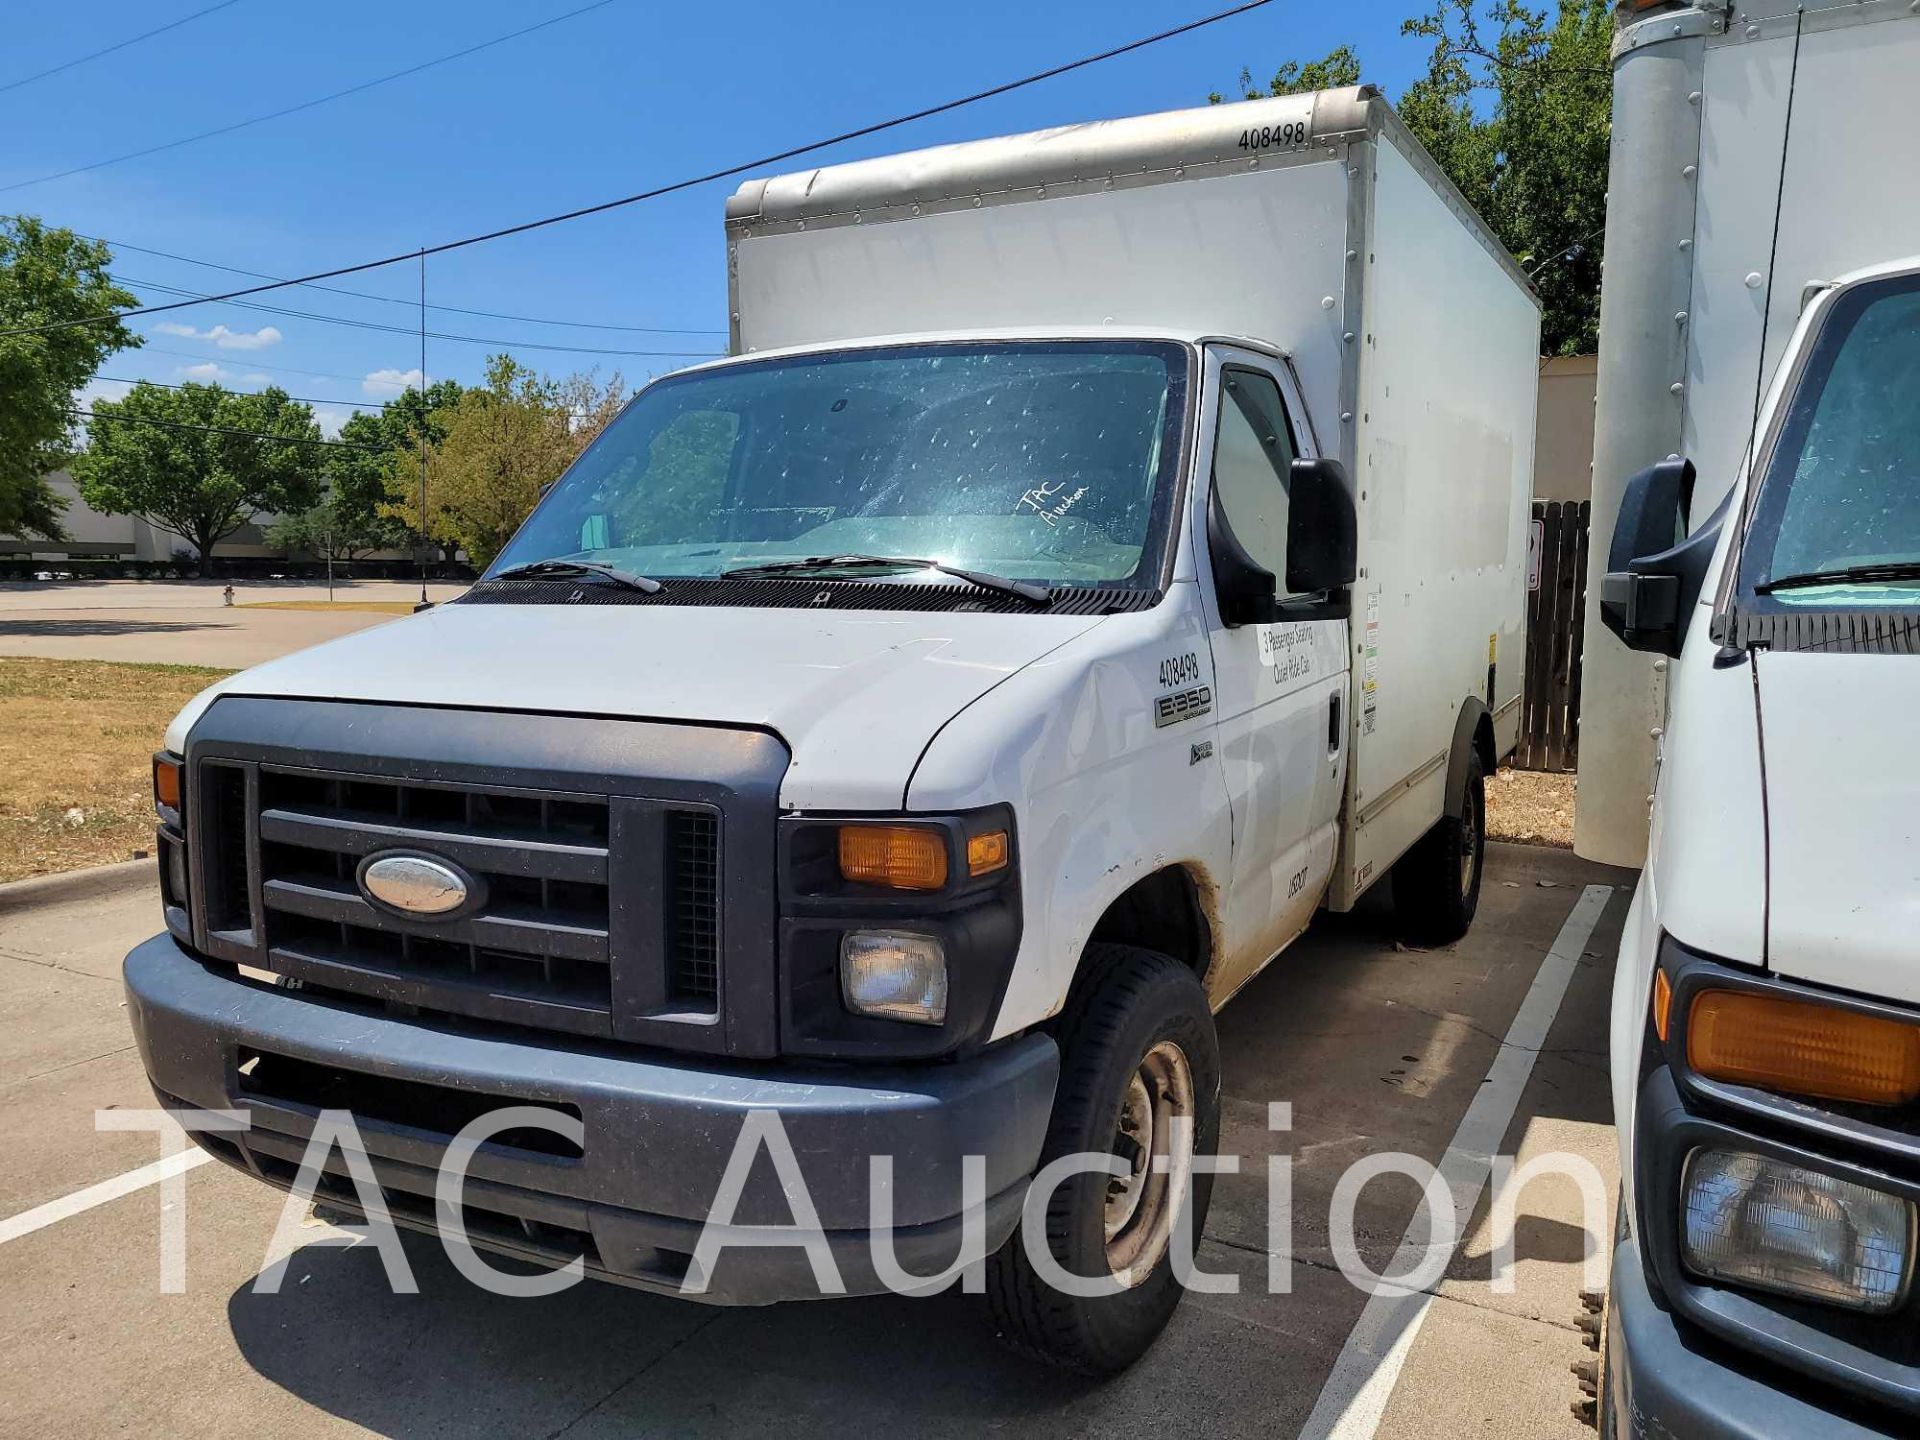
(559, 569)
(1025, 590)
(1846, 575)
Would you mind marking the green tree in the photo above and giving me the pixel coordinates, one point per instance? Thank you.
(199, 461)
(1516, 108)
(47, 276)
(502, 445)
(1339, 67)
(379, 459)
(349, 520)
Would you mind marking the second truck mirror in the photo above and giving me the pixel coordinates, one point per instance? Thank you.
(1654, 568)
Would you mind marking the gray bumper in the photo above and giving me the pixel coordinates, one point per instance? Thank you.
(657, 1132)
(1664, 1387)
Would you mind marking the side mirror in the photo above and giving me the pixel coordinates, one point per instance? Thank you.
(1322, 547)
(1654, 568)
(1322, 540)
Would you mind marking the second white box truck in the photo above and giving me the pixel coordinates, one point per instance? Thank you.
(1760, 358)
(1105, 548)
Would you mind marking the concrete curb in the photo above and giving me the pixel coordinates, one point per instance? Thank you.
(96, 883)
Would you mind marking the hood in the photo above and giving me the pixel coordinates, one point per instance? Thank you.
(855, 695)
(1843, 819)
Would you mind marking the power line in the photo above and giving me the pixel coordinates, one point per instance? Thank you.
(356, 405)
(302, 399)
(257, 365)
(410, 330)
(759, 163)
(121, 45)
(305, 104)
(410, 304)
(217, 430)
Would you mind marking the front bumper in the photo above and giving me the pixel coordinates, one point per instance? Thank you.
(1665, 1382)
(658, 1132)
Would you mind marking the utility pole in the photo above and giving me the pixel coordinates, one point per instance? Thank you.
(425, 603)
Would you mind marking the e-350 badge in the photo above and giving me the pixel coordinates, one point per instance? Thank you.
(1172, 709)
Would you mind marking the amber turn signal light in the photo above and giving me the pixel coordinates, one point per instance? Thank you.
(166, 782)
(987, 853)
(901, 857)
(1662, 1003)
(1819, 1051)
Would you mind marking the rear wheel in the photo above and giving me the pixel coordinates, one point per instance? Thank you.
(1139, 1080)
(1436, 884)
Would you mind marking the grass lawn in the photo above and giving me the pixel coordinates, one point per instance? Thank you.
(76, 746)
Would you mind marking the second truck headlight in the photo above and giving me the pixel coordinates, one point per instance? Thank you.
(1752, 1220)
(894, 975)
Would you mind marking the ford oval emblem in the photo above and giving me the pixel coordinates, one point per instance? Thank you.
(417, 884)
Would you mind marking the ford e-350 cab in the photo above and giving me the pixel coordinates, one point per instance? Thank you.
(913, 740)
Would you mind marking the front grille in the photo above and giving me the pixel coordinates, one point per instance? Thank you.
(537, 951)
(534, 952)
(618, 872)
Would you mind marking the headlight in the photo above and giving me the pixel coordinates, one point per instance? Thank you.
(1748, 1219)
(894, 975)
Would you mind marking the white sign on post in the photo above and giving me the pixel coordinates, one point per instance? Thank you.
(1536, 544)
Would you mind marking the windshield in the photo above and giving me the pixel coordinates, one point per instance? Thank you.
(1051, 462)
(1836, 522)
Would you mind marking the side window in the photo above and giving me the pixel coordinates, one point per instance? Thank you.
(1252, 459)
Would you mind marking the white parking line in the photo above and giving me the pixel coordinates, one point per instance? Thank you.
(54, 1211)
(1361, 1383)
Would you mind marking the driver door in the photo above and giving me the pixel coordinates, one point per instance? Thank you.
(1279, 690)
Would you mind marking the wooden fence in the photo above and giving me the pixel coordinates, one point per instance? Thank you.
(1556, 621)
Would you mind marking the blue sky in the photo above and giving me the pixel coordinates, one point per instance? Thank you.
(628, 96)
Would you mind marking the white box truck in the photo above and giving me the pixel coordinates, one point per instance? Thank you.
(1760, 358)
(908, 730)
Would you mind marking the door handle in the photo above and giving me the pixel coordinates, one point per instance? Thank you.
(1333, 723)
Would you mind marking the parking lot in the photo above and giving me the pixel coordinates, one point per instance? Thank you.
(1377, 1047)
(171, 622)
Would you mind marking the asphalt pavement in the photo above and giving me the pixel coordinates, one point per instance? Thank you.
(1377, 1048)
(174, 622)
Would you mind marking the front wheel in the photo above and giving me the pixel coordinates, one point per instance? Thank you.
(1436, 884)
(1140, 1081)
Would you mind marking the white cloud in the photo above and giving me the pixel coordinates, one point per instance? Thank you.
(223, 337)
(98, 389)
(206, 373)
(381, 383)
(331, 417)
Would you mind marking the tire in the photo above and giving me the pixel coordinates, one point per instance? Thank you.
(1130, 1014)
(1436, 884)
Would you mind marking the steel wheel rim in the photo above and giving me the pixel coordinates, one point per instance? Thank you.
(1143, 1206)
(1469, 845)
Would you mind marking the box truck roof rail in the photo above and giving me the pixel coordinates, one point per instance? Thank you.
(1090, 157)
